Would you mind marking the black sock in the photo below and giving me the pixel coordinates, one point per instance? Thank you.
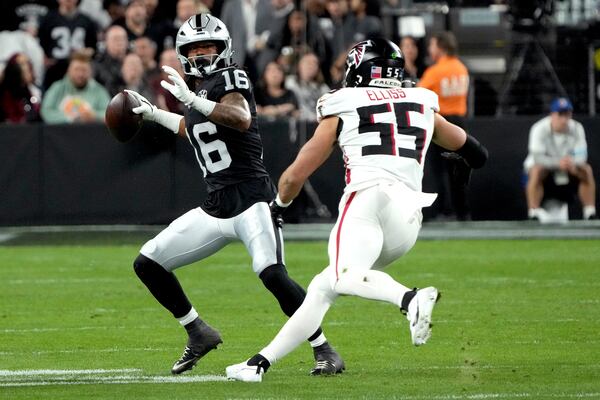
(288, 293)
(259, 361)
(163, 285)
(408, 296)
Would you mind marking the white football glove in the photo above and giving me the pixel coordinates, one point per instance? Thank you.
(146, 109)
(180, 90)
(178, 87)
(150, 112)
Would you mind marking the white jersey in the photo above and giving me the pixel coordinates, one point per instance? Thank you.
(384, 133)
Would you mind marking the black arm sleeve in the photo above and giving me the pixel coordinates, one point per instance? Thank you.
(474, 153)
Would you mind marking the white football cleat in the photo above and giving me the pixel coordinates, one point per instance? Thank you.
(419, 314)
(244, 372)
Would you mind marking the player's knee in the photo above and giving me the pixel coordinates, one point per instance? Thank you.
(142, 265)
(323, 285)
(347, 281)
(274, 276)
(288, 293)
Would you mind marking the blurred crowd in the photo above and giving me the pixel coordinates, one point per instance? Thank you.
(62, 60)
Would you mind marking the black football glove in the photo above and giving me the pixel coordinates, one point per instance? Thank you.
(460, 171)
(277, 213)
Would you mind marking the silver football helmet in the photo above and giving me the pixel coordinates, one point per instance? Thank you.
(203, 28)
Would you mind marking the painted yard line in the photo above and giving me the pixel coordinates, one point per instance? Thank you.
(114, 350)
(79, 328)
(127, 378)
(122, 379)
(111, 350)
(37, 372)
(52, 281)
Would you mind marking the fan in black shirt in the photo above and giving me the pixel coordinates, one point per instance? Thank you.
(272, 98)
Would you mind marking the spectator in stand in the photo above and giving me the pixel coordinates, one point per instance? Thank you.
(19, 97)
(107, 64)
(115, 9)
(308, 85)
(337, 27)
(280, 11)
(299, 36)
(413, 66)
(24, 15)
(137, 22)
(95, 10)
(272, 98)
(77, 97)
(251, 19)
(188, 8)
(145, 48)
(338, 70)
(61, 32)
(133, 78)
(558, 151)
(449, 79)
(365, 20)
(22, 42)
(160, 28)
(164, 99)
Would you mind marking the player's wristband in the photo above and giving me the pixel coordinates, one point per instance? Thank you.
(281, 203)
(167, 119)
(203, 105)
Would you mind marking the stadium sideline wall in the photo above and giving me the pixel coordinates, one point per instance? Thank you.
(78, 174)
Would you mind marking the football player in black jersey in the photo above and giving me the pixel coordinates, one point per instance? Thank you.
(220, 123)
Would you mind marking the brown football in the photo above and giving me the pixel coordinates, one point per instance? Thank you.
(123, 123)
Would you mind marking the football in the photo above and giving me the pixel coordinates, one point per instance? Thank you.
(123, 123)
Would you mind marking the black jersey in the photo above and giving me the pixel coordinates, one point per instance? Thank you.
(60, 35)
(231, 160)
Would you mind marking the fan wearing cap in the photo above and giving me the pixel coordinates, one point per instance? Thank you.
(558, 150)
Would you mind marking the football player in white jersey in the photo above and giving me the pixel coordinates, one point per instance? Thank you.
(384, 130)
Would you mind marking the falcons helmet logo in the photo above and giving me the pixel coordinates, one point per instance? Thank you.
(355, 55)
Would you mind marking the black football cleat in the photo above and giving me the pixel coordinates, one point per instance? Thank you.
(196, 348)
(328, 361)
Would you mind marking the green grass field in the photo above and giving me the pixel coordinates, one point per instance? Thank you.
(517, 319)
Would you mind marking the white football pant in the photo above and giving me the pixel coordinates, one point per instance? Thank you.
(375, 226)
(196, 235)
